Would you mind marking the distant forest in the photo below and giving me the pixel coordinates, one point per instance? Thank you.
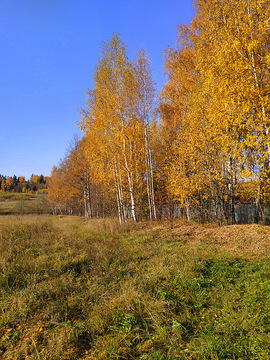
(37, 183)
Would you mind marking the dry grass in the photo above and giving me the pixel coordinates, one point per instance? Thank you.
(251, 238)
(20, 203)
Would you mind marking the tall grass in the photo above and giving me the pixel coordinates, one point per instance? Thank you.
(77, 289)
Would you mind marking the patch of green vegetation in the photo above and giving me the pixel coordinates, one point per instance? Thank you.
(68, 291)
(6, 195)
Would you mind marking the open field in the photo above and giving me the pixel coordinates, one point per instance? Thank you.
(78, 289)
(23, 203)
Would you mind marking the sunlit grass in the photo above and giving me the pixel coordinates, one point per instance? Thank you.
(77, 289)
(23, 203)
(6, 195)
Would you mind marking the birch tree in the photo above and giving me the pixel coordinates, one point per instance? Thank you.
(234, 52)
(146, 103)
(117, 124)
(111, 120)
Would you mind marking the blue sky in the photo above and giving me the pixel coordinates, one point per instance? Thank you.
(49, 49)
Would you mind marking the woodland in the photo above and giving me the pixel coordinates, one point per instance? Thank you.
(201, 143)
(18, 184)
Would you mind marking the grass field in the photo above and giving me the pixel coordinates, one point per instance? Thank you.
(23, 203)
(77, 289)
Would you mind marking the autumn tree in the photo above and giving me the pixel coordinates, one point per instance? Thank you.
(234, 52)
(216, 100)
(146, 106)
(117, 126)
(8, 183)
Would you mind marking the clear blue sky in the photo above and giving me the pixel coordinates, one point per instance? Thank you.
(49, 49)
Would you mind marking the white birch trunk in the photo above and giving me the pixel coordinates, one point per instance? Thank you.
(130, 184)
(87, 204)
(149, 177)
(119, 198)
(187, 210)
(129, 177)
(152, 187)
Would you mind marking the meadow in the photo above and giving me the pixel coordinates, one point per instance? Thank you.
(23, 203)
(72, 288)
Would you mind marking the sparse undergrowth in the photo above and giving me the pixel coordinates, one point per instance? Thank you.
(76, 289)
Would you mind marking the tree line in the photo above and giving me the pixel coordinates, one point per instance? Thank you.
(21, 185)
(201, 143)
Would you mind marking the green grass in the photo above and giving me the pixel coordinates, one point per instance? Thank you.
(73, 289)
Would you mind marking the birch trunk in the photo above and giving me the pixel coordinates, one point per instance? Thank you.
(187, 210)
(130, 184)
(87, 202)
(149, 176)
(119, 197)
